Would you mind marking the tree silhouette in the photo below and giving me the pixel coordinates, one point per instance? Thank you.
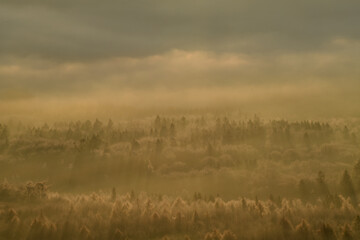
(322, 186)
(347, 187)
(356, 174)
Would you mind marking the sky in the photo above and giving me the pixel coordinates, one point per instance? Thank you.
(267, 54)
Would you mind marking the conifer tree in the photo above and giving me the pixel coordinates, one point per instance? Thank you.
(347, 187)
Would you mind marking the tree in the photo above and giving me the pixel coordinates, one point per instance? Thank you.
(356, 174)
(135, 145)
(178, 222)
(346, 233)
(356, 226)
(84, 233)
(304, 189)
(172, 130)
(214, 235)
(228, 235)
(110, 125)
(327, 232)
(322, 186)
(346, 133)
(158, 146)
(347, 187)
(113, 194)
(94, 142)
(4, 137)
(303, 230)
(307, 140)
(157, 122)
(286, 226)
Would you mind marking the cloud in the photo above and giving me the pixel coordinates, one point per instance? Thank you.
(199, 52)
(179, 69)
(83, 30)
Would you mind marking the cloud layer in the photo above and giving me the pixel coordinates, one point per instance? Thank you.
(92, 29)
(159, 49)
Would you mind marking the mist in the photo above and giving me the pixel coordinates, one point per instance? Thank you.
(169, 120)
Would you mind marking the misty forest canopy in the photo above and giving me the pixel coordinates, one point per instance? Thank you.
(170, 177)
(262, 157)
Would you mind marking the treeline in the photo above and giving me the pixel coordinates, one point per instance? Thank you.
(277, 138)
(142, 216)
(250, 156)
(183, 131)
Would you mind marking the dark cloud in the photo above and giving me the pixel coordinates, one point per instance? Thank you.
(167, 52)
(82, 30)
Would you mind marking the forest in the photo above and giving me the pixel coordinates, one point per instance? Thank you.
(210, 176)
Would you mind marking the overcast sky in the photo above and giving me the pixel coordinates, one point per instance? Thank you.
(83, 47)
